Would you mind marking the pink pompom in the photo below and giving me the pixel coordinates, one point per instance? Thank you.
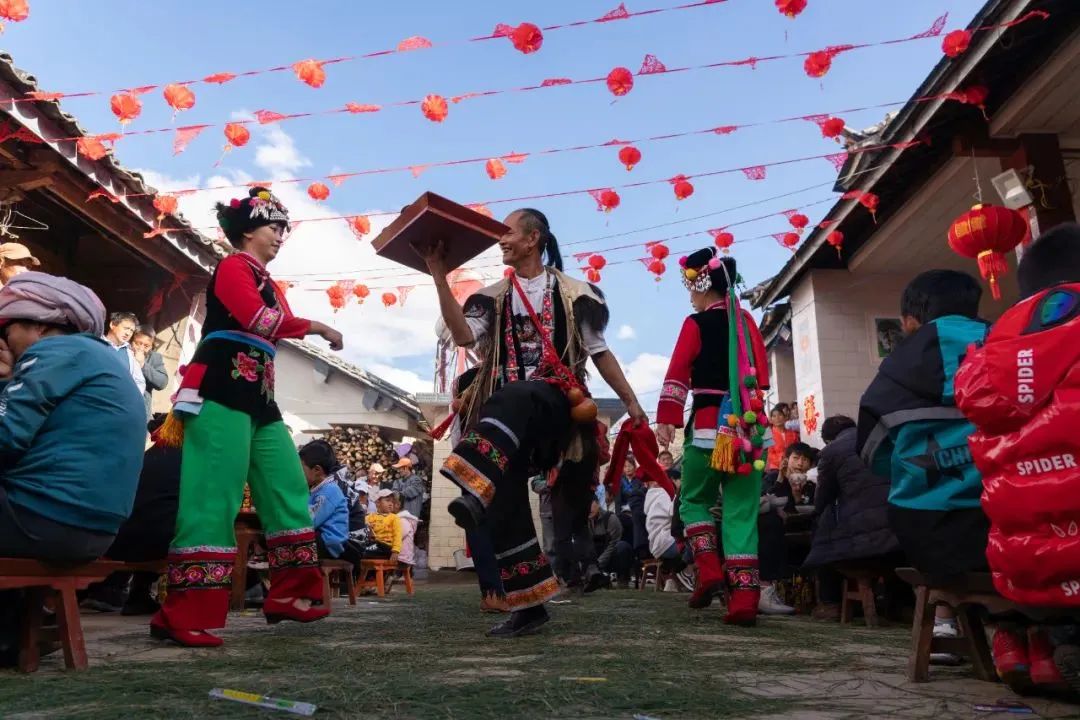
(234, 203)
(714, 263)
(682, 261)
(746, 446)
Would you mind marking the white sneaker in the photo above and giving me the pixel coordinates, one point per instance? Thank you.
(945, 629)
(686, 578)
(770, 603)
(671, 586)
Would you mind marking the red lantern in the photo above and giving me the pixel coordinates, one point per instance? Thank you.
(435, 108)
(659, 251)
(629, 156)
(125, 106)
(179, 97)
(360, 226)
(592, 275)
(723, 240)
(482, 209)
(832, 128)
(620, 81)
(360, 291)
(799, 221)
(318, 192)
(336, 294)
(389, 298)
(870, 202)
(985, 234)
(527, 38)
(790, 239)
(818, 63)
(14, 10)
(791, 8)
(91, 147)
(495, 168)
(682, 186)
(956, 43)
(836, 239)
(237, 135)
(165, 205)
(657, 268)
(597, 262)
(606, 200)
(310, 72)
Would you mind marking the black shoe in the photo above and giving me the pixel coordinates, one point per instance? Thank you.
(521, 622)
(468, 512)
(140, 606)
(596, 581)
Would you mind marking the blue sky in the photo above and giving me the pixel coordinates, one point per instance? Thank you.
(155, 42)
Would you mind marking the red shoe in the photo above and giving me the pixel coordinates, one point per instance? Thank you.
(710, 571)
(288, 611)
(187, 638)
(1041, 657)
(1011, 660)
(743, 607)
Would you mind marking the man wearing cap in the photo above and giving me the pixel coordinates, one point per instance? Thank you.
(15, 258)
(410, 485)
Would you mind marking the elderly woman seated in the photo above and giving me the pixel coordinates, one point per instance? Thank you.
(72, 424)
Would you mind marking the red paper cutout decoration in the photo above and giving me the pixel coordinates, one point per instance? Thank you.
(597, 262)
(219, 78)
(125, 106)
(651, 65)
(550, 82)
(435, 108)
(956, 43)
(629, 156)
(318, 192)
(791, 8)
(184, 136)
(790, 240)
(266, 117)
(838, 160)
(515, 158)
(361, 292)
(413, 43)
(986, 233)
(403, 293)
(836, 239)
(495, 168)
(798, 221)
(526, 38)
(659, 251)
(310, 72)
(165, 205)
(620, 81)
(606, 200)
(723, 239)
(619, 13)
(14, 10)
(357, 108)
(682, 186)
(360, 226)
(388, 299)
(726, 129)
(757, 172)
(592, 275)
(91, 147)
(179, 97)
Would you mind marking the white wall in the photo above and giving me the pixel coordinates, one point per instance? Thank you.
(781, 375)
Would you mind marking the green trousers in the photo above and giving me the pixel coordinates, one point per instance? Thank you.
(701, 486)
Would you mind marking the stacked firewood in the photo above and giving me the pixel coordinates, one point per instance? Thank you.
(358, 446)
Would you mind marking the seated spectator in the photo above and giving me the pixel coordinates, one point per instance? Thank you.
(327, 504)
(409, 525)
(355, 491)
(911, 432)
(61, 392)
(667, 462)
(122, 327)
(659, 511)
(778, 501)
(376, 476)
(385, 528)
(613, 554)
(630, 506)
(790, 482)
(151, 363)
(410, 485)
(15, 259)
(781, 437)
(145, 536)
(851, 506)
(1020, 389)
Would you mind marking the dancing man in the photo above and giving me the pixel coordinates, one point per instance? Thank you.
(719, 358)
(528, 410)
(232, 434)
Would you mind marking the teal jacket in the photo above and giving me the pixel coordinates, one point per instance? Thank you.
(72, 433)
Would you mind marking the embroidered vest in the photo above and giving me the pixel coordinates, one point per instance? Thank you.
(710, 368)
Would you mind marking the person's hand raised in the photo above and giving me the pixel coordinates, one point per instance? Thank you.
(7, 361)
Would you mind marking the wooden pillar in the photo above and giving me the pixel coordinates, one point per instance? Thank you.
(1040, 155)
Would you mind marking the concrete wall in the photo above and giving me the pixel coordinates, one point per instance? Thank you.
(781, 374)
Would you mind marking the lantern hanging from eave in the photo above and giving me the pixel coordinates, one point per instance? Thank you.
(985, 234)
(836, 239)
(629, 156)
(956, 43)
(870, 201)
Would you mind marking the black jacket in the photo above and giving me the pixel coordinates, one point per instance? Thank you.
(852, 507)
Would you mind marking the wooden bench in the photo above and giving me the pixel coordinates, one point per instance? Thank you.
(40, 581)
(378, 569)
(966, 596)
(659, 574)
(340, 569)
(859, 581)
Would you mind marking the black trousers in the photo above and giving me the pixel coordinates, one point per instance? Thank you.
(571, 499)
(522, 426)
(772, 547)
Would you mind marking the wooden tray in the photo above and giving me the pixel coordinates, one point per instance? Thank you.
(465, 232)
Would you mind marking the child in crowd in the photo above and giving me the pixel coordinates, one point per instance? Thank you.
(386, 528)
(911, 432)
(409, 525)
(781, 491)
(329, 509)
(663, 546)
(1021, 390)
(782, 437)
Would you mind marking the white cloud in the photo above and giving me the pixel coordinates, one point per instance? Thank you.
(407, 380)
(279, 154)
(645, 373)
(626, 332)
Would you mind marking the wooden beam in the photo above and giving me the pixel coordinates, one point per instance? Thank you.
(974, 142)
(1048, 182)
(27, 179)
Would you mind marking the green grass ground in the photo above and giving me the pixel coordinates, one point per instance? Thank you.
(426, 657)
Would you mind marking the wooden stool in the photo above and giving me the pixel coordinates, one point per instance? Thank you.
(406, 573)
(339, 568)
(380, 568)
(41, 581)
(971, 591)
(859, 588)
(659, 574)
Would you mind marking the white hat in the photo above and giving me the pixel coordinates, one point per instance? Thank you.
(376, 467)
(380, 494)
(363, 487)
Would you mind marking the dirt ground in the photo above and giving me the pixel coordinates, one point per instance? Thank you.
(618, 654)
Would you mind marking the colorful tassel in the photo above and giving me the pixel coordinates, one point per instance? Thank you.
(171, 432)
(723, 457)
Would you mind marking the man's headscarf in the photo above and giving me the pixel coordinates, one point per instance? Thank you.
(53, 300)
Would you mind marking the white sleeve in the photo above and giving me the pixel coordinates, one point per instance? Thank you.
(593, 340)
(479, 325)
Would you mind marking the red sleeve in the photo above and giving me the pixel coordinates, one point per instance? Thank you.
(757, 348)
(677, 381)
(235, 288)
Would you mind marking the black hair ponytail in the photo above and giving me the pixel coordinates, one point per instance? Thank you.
(549, 243)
